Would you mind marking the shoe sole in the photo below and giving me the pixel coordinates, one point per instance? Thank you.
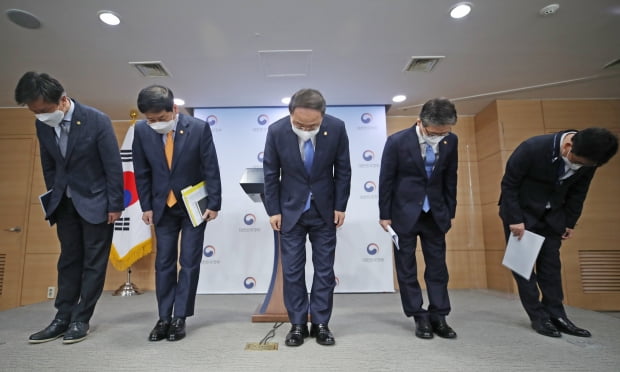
(73, 341)
(46, 340)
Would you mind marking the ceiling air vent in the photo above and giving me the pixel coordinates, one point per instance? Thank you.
(423, 64)
(612, 64)
(151, 69)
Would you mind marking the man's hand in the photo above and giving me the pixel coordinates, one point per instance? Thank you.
(113, 216)
(517, 230)
(147, 217)
(385, 224)
(567, 234)
(276, 221)
(209, 215)
(338, 218)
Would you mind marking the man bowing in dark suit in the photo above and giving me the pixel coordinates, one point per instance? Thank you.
(307, 184)
(84, 176)
(543, 189)
(417, 198)
(172, 151)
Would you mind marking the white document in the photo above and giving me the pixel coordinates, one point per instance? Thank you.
(521, 254)
(195, 199)
(394, 236)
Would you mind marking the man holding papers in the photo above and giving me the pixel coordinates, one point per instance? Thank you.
(417, 198)
(543, 189)
(172, 151)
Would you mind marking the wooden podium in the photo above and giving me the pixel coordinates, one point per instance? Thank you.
(272, 309)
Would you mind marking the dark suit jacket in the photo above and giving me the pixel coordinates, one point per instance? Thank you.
(403, 182)
(531, 180)
(92, 166)
(194, 160)
(287, 184)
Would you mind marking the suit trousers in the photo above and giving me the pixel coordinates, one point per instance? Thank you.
(433, 242)
(84, 253)
(547, 276)
(293, 246)
(176, 289)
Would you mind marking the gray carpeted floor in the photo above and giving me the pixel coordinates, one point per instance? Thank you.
(372, 334)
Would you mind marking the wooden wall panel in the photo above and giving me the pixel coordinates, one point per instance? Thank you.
(490, 170)
(494, 239)
(397, 123)
(39, 274)
(41, 236)
(468, 184)
(487, 132)
(519, 120)
(17, 121)
(498, 277)
(580, 114)
(466, 233)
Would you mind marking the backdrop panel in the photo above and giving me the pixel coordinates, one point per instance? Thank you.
(238, 249)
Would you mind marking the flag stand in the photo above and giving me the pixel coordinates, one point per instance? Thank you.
(127, 289)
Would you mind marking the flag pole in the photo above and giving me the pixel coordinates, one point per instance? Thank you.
(128, 288)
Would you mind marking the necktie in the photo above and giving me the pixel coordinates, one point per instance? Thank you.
(168, 150)
(64, 137)
(561, 171)
(308, 160)
(429, 162)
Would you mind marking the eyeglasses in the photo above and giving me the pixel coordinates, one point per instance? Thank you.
(431, 133)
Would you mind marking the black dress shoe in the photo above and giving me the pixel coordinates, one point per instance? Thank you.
(296, 335)
(566, 326)
(423, 329)
(177, 329)
(322, 333)
(442, 329)
(76, 332)
(56, 329)
(160, 331)
(546, 328)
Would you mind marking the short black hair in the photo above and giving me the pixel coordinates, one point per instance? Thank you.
(595, 144)
(438, 111)
(34, 85)
(155, 98)
(307, 98)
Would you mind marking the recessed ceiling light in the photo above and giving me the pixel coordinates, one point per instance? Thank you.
(109, 18)
(399, 98)
(179, 101)
(460, 10)
(286, 100)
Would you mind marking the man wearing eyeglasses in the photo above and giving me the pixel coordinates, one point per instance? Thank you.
(543, 189)
(417, 198)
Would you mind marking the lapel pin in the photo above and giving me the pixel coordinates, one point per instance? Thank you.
(181, 131)
(445, 142)
(78, 122)
(325, 133)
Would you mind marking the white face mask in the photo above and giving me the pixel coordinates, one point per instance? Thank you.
(53, 119)
(432, 140)
(163, 127)
(305, 134)
(571, 165)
